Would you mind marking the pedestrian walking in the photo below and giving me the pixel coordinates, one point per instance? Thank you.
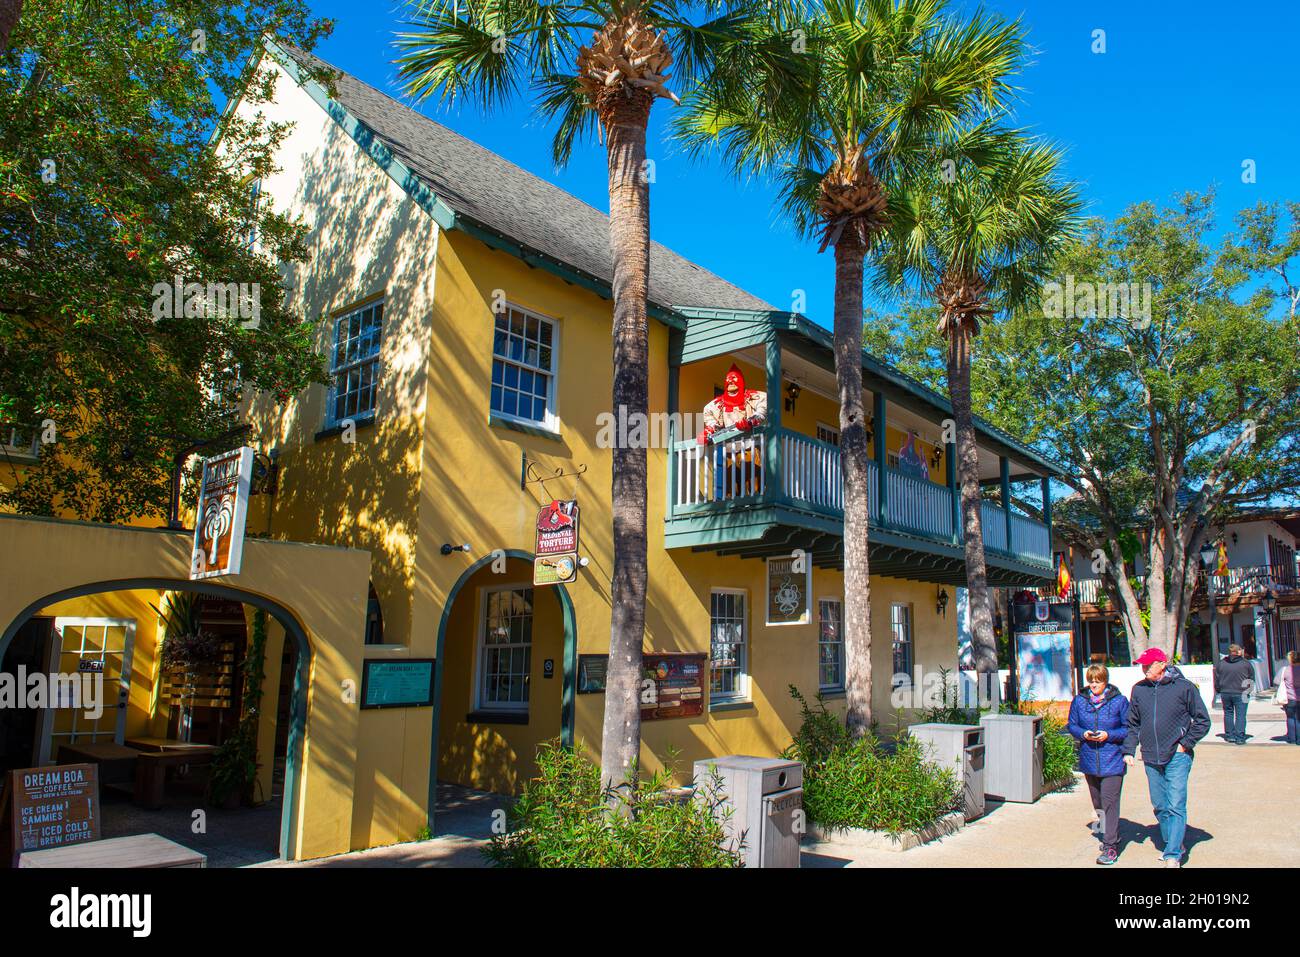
(1167, 717)
(1233, 681)
(1099, 722)
(1287, 681)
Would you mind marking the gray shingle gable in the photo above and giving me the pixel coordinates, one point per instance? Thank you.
(496, 193)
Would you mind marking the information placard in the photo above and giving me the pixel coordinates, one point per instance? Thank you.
(397, 682)
(591, 673)
(52, 807)
(673, 685)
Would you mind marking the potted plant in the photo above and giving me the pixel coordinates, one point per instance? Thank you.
(187, 648)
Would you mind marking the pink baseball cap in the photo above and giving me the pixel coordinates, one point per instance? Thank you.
(1149, 656)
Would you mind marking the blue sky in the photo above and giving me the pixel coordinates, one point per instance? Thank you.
(1185, 92)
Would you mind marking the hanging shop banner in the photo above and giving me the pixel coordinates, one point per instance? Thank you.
(556, 549)
(222, 511)
(673, 686)
(52, 807)
(1044, 650)
(591, 673)
(788, 590)
(1289, 613)
(397, 682)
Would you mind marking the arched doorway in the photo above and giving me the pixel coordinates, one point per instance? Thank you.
(294, 634)
(492, 590)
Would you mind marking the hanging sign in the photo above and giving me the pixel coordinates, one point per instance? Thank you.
(556, 550)
(1289, 613)
(788, 590)
(51, 807)
(672, 685)
(223, 508)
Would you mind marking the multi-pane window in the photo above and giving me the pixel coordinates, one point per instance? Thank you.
(828, 434)
(506, 652)
(523, 367)
(728, 645)
(900, 626)
(830, 645)
(356, 363)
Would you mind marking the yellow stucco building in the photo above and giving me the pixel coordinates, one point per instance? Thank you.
(465, 310)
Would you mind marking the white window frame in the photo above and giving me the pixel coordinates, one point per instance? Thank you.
(335, 369)
(551, 423)
(481, 647)
(830, 429)
(740, 691)
(893, 640)
(21, 453)
(839, 603)
(114, 699)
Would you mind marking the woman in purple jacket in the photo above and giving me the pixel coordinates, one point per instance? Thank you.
(1099, 721)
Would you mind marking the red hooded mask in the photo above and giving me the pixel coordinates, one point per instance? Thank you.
(733, 403)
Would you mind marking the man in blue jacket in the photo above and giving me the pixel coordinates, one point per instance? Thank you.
(1167, 717)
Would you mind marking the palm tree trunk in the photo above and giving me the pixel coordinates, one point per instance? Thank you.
(629, 240)
(983, 645)
(849, 256)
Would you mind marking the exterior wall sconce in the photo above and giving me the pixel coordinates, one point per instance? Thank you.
(1269, 602)
(448, 549)
(266, 472)
(936, 457)
(941, 603)
(791, 395)
(1234, 538)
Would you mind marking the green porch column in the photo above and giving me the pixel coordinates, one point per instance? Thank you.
(670, 466)
(772, 489)
(1047, 508)
(1005, 465)
(882, 459)
(950, 451)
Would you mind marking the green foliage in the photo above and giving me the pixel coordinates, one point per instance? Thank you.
(185, 644)
(564, 819)
(108, 187)
(949, 710)
(856, 782)
(234, 766)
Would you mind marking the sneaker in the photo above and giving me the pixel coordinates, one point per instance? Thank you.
(1108, 856)
(1173, 862)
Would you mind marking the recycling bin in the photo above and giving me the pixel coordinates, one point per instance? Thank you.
(766, 799)
(960, 747)
(1014, 754)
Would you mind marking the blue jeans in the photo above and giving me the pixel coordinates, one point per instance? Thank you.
(1168, 786)
(1234, 715)
(1292, 710)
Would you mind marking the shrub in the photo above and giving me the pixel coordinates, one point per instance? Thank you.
(852, 782)
(562, 820)
(949, 709)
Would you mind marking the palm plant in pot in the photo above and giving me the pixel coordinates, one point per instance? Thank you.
(186, 648)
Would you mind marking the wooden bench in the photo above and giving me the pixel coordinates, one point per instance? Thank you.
(151, 771)
(138, 850)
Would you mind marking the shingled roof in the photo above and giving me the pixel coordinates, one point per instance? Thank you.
(488, 191)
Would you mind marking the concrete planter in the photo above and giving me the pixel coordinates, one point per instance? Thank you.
(862, 839)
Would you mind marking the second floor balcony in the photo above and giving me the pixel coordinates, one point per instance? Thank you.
(776, 488)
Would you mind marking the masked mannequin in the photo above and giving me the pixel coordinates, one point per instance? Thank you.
(737, 407)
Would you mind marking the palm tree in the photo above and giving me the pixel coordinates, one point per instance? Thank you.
(882, 81)
(489, 50)
(978, 232)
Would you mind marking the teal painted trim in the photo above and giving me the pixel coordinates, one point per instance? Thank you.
(670, 467)
(882, 457)
(876, 369)
(443, 214)
(1004, 466)
(731, 706)
(951, 453)
(498, 422)
(772, 485)
(293, 632)
(567, 698)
